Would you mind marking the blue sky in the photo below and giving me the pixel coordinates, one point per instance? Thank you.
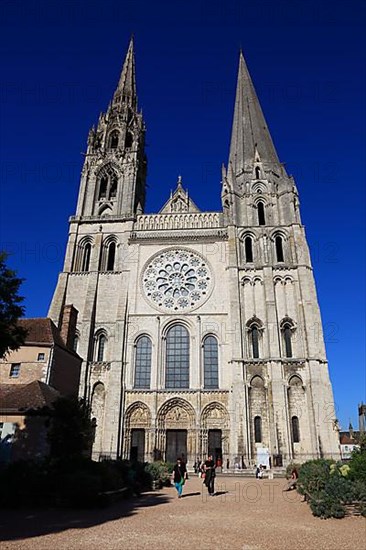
(61, 63)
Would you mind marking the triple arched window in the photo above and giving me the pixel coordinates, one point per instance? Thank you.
(143, 349)
(210, 362)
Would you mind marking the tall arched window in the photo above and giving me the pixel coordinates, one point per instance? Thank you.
(257, 173)
(254, 341)
(177, 358)
(86, 257)
(210, 363)
(103, 187)
(248, 244)
(101, 344)
(111, 255)
(129, 139)
(143, 362)
(295, 429)
(261, 216)
(287, 334)
(108, 181)
(257, 429)
(279, 249)
(113, 139)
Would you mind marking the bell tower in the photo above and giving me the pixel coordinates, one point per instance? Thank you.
(114, 171)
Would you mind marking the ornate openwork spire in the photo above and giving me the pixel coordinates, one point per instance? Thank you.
(126, 89)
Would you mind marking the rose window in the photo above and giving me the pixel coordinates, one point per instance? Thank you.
(177, 280)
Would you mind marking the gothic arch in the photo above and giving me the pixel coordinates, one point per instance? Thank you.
(176, 413)
(215, 415)
(137, 415)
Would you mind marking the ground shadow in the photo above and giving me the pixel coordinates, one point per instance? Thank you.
(191, 494)
(28, 523)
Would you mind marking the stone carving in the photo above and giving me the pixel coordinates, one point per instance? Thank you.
(177, 280)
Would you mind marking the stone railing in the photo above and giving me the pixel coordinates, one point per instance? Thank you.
(201, 220)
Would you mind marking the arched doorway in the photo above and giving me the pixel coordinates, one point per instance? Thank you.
(215, 432)
(137, 432)
(176, 431)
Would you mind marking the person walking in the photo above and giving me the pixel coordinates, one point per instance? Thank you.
(179, 476)
(210, 475)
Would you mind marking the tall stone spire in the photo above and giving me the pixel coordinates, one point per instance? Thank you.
(126, 89)
(250, 134)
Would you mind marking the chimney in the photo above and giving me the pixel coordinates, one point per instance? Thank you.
(68, 325)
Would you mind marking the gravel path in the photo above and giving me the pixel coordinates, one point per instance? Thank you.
(247, 514)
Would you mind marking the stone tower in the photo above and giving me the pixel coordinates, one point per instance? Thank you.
(200, 331)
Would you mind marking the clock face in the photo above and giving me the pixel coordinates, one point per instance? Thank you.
(177, 280)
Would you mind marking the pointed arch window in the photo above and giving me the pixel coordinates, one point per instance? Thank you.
(279, 249)
(143, 362)
(114, 139)
(257, 173)
(210, 363)
(101, 345)
(111, 256)
(248, 245)
(108, 182)
(129, 140)
(103, 187)
(257, 429)
(177, 358)
(86, 257)
(261, 214)
(295, 429)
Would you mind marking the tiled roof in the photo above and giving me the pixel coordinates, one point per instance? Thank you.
(41, 330)
(22, 397)
(345, 439)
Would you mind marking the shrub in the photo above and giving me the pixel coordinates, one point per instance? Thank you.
(160, 471)
(329, 487)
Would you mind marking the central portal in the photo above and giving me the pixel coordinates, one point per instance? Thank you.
(176, 445)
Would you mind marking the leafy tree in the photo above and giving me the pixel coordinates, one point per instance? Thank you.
(12, 336)
(70, 428)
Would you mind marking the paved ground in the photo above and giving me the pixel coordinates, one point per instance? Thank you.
(247, 514)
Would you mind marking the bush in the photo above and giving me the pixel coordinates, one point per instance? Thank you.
(329, 487)
(77, 482)
(160, 471)
(290, 468)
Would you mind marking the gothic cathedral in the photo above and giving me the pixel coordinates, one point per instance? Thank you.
(200, 332)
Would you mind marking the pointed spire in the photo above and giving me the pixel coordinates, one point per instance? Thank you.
(250, 137)
(126, 89)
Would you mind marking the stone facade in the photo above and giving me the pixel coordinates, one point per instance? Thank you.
(200, 331)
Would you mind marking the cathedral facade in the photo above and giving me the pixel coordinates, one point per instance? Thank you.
(200, 332)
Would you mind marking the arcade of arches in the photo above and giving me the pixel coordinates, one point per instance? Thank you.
(177, 430)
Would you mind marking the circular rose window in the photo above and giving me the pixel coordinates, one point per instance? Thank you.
(177, 280)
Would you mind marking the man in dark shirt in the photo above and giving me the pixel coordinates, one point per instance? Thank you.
(179, 476)
(210, 475)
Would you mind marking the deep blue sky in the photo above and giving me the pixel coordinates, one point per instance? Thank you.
(61, 63)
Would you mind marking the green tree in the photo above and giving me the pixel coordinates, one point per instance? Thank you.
(70, 428)
(12, 336)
